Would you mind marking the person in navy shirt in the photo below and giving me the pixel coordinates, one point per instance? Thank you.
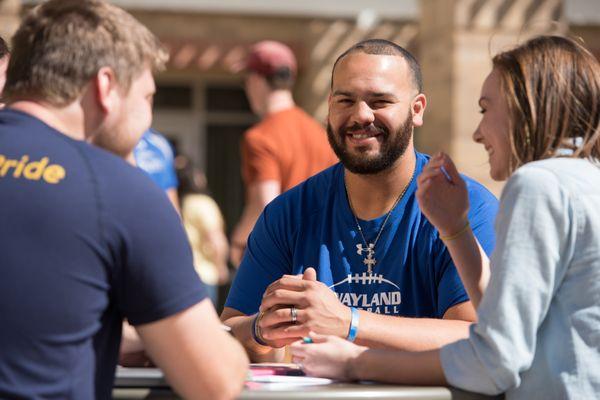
(348, 252)
(87, 239)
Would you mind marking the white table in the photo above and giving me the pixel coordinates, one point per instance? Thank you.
(149, 383)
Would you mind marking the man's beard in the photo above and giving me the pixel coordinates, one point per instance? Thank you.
(392, 147)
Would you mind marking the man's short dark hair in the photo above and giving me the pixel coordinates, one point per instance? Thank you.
(384, 47)
(3, 48)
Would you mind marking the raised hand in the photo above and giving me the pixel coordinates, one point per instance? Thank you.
(442, 195)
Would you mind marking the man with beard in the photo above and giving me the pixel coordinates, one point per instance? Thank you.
(348, 252)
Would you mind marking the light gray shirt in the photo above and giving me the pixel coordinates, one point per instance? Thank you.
(538, 333)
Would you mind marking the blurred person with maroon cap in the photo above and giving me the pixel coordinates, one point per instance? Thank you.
(286, 147)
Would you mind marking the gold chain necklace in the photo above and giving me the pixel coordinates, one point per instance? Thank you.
(369, 248)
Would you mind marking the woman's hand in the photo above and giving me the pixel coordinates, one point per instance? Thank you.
(327, 356)
(442, 195)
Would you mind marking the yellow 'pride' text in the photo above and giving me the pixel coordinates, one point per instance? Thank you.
(31, 170)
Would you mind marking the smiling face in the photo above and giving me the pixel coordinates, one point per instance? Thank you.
(493, 130)
(372, 111)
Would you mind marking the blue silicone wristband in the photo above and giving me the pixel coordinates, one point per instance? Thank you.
(353, 331)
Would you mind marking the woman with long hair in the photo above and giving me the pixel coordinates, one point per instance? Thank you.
(538, 298)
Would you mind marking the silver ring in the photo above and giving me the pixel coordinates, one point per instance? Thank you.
(294, 314)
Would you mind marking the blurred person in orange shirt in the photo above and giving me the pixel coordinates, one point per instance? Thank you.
(286, 147)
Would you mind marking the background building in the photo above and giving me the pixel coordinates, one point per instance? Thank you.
(201, 107)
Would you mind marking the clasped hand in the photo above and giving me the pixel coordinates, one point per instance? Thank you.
(317, 309)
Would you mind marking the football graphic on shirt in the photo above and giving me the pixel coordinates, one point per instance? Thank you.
(379, 295)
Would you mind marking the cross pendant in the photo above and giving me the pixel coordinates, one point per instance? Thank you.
(370, 262)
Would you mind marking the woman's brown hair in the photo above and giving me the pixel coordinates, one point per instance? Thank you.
(552, 87)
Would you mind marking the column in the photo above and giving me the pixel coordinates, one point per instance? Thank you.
(9, 18)
(458, 39)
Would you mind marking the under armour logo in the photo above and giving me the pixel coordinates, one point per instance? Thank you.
(370, 250)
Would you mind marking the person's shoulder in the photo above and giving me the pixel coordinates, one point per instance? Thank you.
(199, 201)
(285, 115)
(558, 166)
(303, 205)
(143, 143)
(305, 122)
(115, 176)
(103, 161)
(298, 112)
(316, 184)
(279, 123)
(116, 180)
(539, 174)
(157, 140)
(549, 176)
(553, 183)
(258, 131)
(310, 195)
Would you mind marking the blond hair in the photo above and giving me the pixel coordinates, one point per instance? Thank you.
(61, 44)
(552, 87)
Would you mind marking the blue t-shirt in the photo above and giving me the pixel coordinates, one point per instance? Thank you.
(154, 155)
(86, 240)
(312, 225)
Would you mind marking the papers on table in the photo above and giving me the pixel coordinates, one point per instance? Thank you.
(285, 381)
(280, 376)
